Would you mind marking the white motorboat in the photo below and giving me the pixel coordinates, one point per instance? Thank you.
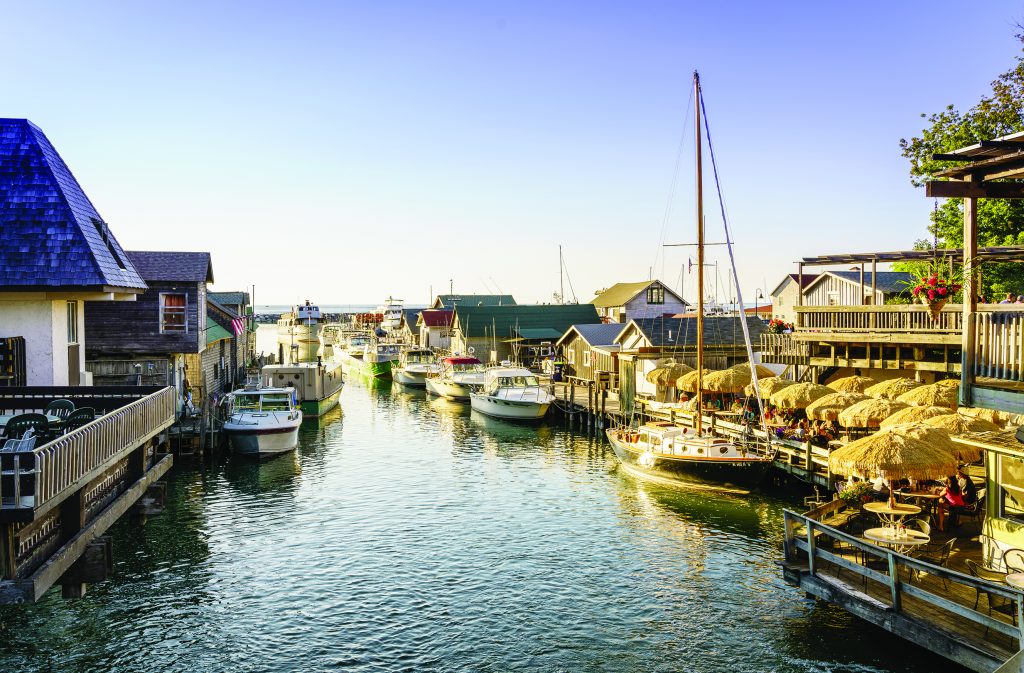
(298, 334)
(391, 309)
(317, 384)
(414, 366)
(457, 378)
(262, 422)
(512, 393)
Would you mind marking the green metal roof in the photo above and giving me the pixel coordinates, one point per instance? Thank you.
(503, 322)
(538, 333)
(452, 300)
(215, 332)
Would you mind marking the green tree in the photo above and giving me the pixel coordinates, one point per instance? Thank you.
(1000, 221)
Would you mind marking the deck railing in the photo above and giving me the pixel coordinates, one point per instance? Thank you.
(803, 533)
(999, 343)
(30, 479)
(906, 318)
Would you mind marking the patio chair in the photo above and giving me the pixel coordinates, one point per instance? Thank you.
(77, 419)
(60, 408)
(16, 445)
(919, 524)
(19, 425)
(998, 604)
(935, 553)
(976, 509)
(1013, 559)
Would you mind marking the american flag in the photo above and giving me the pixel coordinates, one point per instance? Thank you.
(238, 326)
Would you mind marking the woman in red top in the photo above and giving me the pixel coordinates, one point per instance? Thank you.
(952, 500)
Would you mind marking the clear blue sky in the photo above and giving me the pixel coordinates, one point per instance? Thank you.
(348, 151)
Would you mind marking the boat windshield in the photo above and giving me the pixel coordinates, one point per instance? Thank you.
(419, 358)
(517, 381)
(276, 402)
(467, 367)
(247, 402)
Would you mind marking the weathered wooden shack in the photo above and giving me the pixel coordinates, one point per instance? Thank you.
(589, 352)
(523, 333)
(159, 338)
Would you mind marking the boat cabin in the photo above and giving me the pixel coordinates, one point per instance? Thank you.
(264, 399)
(418, 356)
(510, 377)
(459, 365)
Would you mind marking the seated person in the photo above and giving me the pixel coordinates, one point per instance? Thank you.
(967, 487)
(880, 488)
(951, 502)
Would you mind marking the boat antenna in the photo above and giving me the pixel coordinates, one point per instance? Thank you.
(700, 255)
(732, 260)
(561, 277)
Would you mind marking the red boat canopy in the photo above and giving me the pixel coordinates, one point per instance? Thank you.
(461, 361)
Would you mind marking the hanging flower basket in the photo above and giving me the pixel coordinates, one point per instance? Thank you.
(934, 292)
(935, 307)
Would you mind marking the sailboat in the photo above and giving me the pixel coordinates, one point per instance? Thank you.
(669, 450)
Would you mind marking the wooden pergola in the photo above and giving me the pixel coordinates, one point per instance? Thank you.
(991, 169)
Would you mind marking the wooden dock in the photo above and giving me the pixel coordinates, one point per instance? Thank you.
(977, 623)
(57, 499)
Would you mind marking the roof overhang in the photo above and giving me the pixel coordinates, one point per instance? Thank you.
(16, 293)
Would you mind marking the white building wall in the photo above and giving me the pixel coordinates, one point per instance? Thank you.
(638, 308)
(785, 301)
(43, 324)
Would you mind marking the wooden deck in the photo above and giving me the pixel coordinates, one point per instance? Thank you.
(934, 608)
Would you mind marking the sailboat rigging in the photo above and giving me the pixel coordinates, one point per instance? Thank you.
(669, 449)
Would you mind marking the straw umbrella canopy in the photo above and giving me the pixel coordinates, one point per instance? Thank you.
(666, 374)
(852, 384)
(891, 389)
(913, 415)
(726, 381)
(911, 451)
(869, 413)
(958, 424)
(688, 382)
(952, 383)
(1000, 418)
(799, 395)
(930, 396)
(762, 371)
(768, 387)
(827, 408)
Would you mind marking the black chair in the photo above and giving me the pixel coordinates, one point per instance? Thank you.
(975, 510)
(19, 425)
(996, 603)
(935, 553)
(60, 408)
(78, 418)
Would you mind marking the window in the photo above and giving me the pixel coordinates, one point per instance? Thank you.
(1010, 480)
(570, 356)
(173, 316)
(586, 358)
(833, 298)
(72, 322)
(655, 294)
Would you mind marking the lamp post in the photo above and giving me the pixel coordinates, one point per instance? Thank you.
(760, 295)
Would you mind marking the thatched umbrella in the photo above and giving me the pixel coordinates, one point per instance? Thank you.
(827, 408)
(912, 415)
(768, 387)
(1000, 418)
(727, 381)
(799, 395)
(688, 382)
(958, 424)
(891, 389)
(952, 383)
(666, 374)
(869, 413)
(852, 384)
(900, 452)
(762, 371)
(930, 396)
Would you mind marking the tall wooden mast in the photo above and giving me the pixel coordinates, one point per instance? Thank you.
(700, 255)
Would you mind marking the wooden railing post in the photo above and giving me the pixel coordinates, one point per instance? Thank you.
(811, 546)
(894, 581)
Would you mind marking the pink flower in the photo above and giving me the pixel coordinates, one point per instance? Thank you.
(942, 291)
(931, 294)
(933, 281)
(917, 290)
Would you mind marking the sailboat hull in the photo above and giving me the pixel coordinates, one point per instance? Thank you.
(742, 471)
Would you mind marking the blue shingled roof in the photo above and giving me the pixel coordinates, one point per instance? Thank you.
(599, 335)
(50, 234)
(718, 330)
(193, 267)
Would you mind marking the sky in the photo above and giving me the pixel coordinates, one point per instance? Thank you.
(346, 152)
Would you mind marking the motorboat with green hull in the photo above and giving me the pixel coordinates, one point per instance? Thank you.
(317, 385)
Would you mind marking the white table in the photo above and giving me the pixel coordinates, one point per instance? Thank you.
(897, 540)
(891, 514)
(1015, 580)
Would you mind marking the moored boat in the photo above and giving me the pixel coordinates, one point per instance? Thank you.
(511, 393)
(378, 358)
(317, 384)
(413, 367)
(262, 422)
(391, 310)
(298, 334)
(457, 378)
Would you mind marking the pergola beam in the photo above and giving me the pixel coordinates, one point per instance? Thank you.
(974, 190)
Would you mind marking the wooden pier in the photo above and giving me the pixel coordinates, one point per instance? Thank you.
(57, 499)
(975, 622)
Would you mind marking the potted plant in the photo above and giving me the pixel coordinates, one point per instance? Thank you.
(856, 493)
(934, 291)
(778, 326)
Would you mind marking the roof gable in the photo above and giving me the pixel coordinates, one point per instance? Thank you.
(435, 317)
(506, 321)
(191, 267)
(50, 233)
(795, 278)
(230, 298)
(602, 334)
(620, 293)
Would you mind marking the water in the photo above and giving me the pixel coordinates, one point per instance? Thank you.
(408, 534)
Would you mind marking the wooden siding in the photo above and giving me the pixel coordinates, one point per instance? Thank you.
(843, 292)
(573, 353)
(128, 327)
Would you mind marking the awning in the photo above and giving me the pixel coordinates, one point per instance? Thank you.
(539, 333)
(215, 332)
